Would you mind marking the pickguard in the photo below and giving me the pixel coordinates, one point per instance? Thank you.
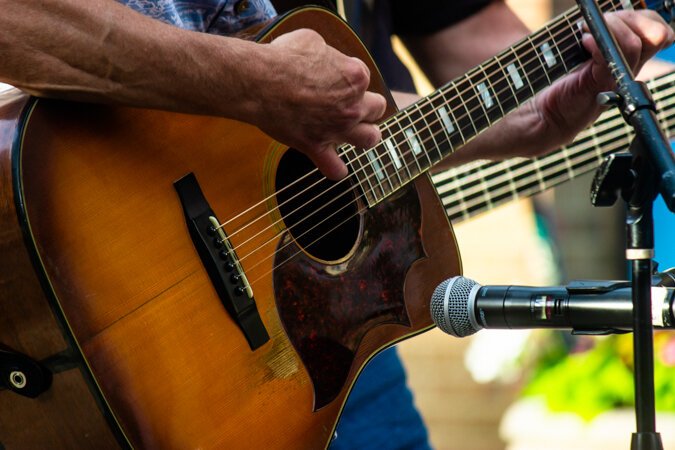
(327, 309)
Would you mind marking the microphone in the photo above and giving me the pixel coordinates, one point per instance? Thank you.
(461, 307)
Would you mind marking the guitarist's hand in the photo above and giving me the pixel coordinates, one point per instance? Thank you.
(559, 113)
(318, 98)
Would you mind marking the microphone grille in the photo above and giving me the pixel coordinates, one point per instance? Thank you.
(450, 306)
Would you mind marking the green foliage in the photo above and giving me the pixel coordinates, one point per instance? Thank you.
(597, 378)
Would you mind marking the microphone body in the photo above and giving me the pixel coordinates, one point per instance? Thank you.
(461, 307)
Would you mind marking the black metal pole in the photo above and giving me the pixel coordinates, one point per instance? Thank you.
(652, 168)
(635, 102)
(640, 251)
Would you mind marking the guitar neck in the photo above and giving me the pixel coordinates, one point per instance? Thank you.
(481, 186)
(418, 137)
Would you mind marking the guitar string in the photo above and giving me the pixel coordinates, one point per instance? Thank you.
(297, 237)
(503, 172)
(386, 165)
(345, 148)
(478, 207)
(480, 106)
(549, 32)
(583, 160)
(314, 213)
(607, 122)
(560, 23)
(351, 161)
(295, 254)
(308, 245)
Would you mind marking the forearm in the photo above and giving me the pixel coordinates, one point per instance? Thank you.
(102, 51)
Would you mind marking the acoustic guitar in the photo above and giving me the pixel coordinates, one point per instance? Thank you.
(207, 288)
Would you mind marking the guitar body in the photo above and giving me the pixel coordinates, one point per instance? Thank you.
(93, 188)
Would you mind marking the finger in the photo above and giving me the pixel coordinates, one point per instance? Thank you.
(326, 159)
(647, 26)
(373, 107)
(650, 27)
(363, 135)
(630, 43)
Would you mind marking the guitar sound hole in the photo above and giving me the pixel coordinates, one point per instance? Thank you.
(321, 215)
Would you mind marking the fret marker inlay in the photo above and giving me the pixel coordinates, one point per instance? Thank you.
(485, 95)
(376, 164)
(393, 153)
(414, 142)
(445, 117)
(549, 57)
(515, 76)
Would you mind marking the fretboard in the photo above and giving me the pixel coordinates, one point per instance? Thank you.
(481, 186)
(418, 137)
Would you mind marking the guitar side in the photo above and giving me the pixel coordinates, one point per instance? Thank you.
(110, 239)
(69, 413)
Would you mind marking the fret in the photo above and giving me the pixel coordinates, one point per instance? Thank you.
(424, 133)
(457, 201)
(499, 188)
(506, 84)
(414, 143)
(359, 172)
(663, 120)
(485, 192)
(490, 96)
(572, 51)
(526, 68)
(414, 140)
(568, 163)
(525, 175)
(407, 150)
(538, 66)
(540, 176)
(378, 174)
(451, 115)
(467, 87)
(534, 67)
(555, 46)
(394, 160)
(389, 170)
(471, 185)
(429, 130)
(460, 189)
(438, 123)
(552, 169)
(397, 155)
(384, 165)
(518, 76)
(583, 153)
(459, 110)
(512, 184)
(443, 180)
(597, 148)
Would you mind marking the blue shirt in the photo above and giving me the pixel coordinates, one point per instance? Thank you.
(223, 17)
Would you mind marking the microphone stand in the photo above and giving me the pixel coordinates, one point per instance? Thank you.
(640, 175)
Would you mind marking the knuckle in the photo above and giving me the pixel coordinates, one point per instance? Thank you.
(659, 36)
(632, 45)
(357, 75)
(310, 34)
(351, 114)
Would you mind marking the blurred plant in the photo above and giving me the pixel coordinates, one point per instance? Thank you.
(589, 374)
